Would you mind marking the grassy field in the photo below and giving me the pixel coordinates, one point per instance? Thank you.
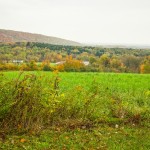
(87, 111)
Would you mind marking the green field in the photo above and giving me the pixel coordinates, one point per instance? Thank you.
(88, 111)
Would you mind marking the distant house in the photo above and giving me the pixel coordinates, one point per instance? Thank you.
(17, 61)
(60, 62)
(86, 63)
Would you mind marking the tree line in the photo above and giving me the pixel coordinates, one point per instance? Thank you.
(39, 56)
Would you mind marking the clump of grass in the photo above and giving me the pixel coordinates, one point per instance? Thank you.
(27, 103)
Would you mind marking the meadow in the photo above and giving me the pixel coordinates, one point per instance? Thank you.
(51, 110)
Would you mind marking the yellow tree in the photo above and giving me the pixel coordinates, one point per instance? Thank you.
(145, 66)
(72, 64)
(46, 65)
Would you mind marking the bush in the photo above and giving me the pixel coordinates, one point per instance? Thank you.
(27, 103)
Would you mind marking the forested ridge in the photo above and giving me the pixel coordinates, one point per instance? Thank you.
(18, 36)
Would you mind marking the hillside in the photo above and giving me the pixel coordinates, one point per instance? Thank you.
(17, 36)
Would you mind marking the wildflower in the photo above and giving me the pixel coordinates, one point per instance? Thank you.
(116, 126)
(23, 140)
(62, 95)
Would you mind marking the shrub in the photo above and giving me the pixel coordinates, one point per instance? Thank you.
(27, 103)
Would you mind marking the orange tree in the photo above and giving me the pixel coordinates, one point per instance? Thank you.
(72, 64)
(145, 66)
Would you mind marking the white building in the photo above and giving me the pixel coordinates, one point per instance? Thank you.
(17, 61)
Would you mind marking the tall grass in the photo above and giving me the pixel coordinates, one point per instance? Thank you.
(32, 102)
(27, 103)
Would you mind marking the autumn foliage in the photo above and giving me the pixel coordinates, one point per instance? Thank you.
(72, 64)
(145, 66)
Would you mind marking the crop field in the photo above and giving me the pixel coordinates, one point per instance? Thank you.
(51, 110)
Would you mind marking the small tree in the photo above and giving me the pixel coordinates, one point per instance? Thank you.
(72, 64)
(46, 66)
(145, 66)
(32, 65)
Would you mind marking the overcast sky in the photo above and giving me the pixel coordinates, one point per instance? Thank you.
(87, 21)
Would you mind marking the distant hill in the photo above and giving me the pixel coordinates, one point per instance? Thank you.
(17, 36)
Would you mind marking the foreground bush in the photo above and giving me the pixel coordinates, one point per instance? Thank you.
(33, 102)
(27, 102)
